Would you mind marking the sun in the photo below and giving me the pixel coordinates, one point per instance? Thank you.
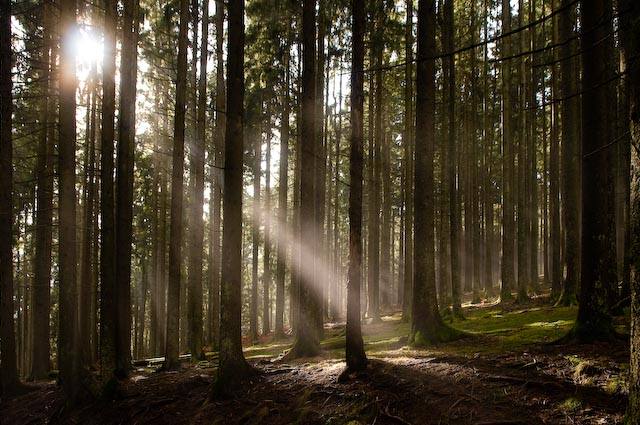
(89, 51)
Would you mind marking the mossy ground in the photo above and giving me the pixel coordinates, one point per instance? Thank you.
(503, 371)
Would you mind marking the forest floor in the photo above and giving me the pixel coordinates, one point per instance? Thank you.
(505, 372)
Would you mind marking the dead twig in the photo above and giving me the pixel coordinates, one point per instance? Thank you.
(389, 415)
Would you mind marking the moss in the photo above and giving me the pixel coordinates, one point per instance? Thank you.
(442, 333)
(572, 404)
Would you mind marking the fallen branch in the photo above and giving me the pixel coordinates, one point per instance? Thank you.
(386, 413)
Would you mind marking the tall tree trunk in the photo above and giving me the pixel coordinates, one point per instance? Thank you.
(354, 350)
(108, 302)
(598, 246)
(521, 179)
(375, 130)
(508, 276)
(266, 276)
(9, 382)
(41, 356)
(124, 189)
(255, 230)
(69, 360)
(197, 225)
(232, 365)
(554, 172)
(408, 158)
(307, 342)
(452, 191)
(217, 183)
(568, 87)
(86, 274)
(177, 178)
(630, 38)
(426, 323)
(283, 245)
(320, 165)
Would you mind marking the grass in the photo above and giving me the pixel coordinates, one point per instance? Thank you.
(491, 329)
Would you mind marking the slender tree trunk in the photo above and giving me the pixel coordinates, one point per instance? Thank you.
(426, 323)
(253, 306)
(452, 192)
(108, 302)
(177, 178)
(266, 276)
(232, 365)
(9, 382)
(521, 174)
(41, 356)
(217, 183)
(570, 157)
(307, 342)
(554, 174)
(408, 157)
(354, 351)
(69, 360)
(197, 225)
(86, 275)
(124, 189)
(508, 275)
(283, 245)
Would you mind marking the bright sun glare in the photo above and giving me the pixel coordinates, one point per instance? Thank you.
(89, 50)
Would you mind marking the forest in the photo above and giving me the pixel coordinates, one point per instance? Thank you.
(320, 212)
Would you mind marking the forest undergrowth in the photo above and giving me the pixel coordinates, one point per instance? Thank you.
(508, 370)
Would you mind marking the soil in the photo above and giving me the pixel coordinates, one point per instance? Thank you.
(546, 384)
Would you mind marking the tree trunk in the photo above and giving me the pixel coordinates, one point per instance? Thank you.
(124, 189)
(177, 177)
(354, 350)
(426, 323)
(232, 365)
(41, 361)
(69, 359)
(217, 184)
(9, 382)
(630, 41)
(508, 276)
(255, 230)
(307, 342)
(283, 244)
(266, 276)
(598, 247)
(197, 225)
(570, 158)
(108, 302)
(408, 158)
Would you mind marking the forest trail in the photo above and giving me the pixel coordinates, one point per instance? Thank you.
(471, 381)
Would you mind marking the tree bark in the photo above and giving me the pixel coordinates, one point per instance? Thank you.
(307, 341)
(177, 177)
(508, 276)
(232, 365)
(40, 360)
(354, 350)
(124, 189)
(598, 247)
(426, 323)
(9, 382)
